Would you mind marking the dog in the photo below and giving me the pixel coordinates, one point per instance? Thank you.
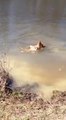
(33, 48)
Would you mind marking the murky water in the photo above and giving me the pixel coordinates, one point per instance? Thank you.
(25, 22)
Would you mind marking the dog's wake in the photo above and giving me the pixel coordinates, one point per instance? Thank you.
(34, 48)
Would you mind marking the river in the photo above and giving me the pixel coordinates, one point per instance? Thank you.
(25, 22)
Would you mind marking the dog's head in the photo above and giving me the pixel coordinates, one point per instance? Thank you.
(41, 45)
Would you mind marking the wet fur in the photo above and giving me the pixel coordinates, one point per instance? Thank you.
(33, 48)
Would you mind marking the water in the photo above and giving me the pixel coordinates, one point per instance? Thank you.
(25, 22)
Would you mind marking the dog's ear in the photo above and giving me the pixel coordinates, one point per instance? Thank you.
(43, 46)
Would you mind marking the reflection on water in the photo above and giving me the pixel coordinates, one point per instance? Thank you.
(24, 22)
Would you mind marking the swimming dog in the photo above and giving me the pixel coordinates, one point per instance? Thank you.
(33, 48)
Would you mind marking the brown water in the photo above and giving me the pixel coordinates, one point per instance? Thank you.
(24, 22)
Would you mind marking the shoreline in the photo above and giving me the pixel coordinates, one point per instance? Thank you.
(23, 104)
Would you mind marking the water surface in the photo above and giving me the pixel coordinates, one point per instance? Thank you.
(25, 22)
